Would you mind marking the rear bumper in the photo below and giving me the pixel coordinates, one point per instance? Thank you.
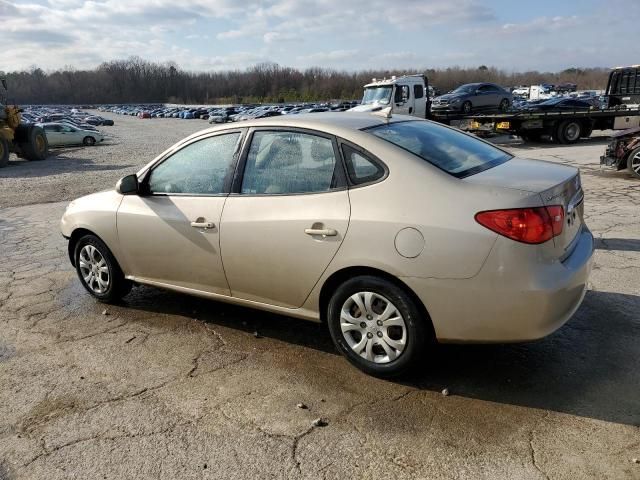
(508, 301)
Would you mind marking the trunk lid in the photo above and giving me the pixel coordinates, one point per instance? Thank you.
(555, 185)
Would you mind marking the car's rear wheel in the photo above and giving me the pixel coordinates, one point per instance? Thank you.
(99, 271)
(633, 163)
(89, 141)
(376, 325)
(466, 107)
(504, 105)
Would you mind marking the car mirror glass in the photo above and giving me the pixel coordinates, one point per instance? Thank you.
(128, 185)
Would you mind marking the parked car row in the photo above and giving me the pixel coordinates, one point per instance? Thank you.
(66, 126)
(219, 114)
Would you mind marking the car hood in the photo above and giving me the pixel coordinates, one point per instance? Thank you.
(373, 107)
(449, 96)
(535, 176)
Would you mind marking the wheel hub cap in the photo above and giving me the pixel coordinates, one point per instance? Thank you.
(94, 269)
(373, 327)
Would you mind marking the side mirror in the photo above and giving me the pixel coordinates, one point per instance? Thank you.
(128, 185)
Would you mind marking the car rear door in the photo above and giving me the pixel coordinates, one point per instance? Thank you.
(287, 218)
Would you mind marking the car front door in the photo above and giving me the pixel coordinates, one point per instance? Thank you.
(482, 97)
(403, 101)
(171, 234)
(69, 136)
(287, 218)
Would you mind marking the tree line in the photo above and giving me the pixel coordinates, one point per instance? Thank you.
(136, 80)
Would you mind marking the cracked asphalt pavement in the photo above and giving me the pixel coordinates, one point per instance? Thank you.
(169, 386)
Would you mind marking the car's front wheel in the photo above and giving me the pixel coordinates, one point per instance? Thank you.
(99, 271)
(89, 141)
(376, 325)
(466, 107)
(633, 163)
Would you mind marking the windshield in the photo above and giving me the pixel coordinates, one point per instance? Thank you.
(466, 88)
(377, 95)
(454, 152)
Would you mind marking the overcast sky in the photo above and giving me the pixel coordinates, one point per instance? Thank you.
(514, 35)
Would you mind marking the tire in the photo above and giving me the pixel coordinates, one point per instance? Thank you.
(4, 152)
(393, 348)
(92, 256)
(32, 142)
(633, 163)
(504, 105)
(466, 107)
(88, 141)
(569, 131)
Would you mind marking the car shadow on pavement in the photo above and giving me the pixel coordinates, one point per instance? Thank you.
(621, 244)
(587, 368)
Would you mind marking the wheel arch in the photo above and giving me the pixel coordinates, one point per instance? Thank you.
(340, 276)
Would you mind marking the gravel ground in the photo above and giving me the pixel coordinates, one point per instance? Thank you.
(74, 171)
(169, 386)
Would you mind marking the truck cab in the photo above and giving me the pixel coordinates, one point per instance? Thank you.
(623, 87)
(407, 95)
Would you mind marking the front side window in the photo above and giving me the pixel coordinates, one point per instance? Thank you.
(454, 152)
(289, 163)
(418, 91)
(402, 93)
(199, 168)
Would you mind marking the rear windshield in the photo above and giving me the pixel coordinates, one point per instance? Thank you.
(454, 152)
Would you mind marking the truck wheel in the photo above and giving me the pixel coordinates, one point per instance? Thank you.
(32, 142)
(568, 131)
(466, 107)
(633, 163)
(4, 152)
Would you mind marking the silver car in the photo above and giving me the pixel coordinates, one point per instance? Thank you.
(61, 134)
(395, 232)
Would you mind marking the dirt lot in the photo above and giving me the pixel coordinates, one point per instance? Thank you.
(168, 386)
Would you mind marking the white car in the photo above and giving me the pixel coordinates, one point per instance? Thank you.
(60, 134)
(521, 92)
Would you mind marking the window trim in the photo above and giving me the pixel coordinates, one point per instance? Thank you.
(226, 186)
(236, 187)
(369, 156)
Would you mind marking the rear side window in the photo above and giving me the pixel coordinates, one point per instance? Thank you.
(454, 152)
(284, 163)
(360, 168)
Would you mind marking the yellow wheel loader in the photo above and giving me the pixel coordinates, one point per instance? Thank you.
(26, 141)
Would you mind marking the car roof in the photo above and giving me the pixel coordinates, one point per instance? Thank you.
(335, 123)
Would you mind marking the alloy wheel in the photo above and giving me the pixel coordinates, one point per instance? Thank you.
(635, 164)
(94, 269)
(373, 327)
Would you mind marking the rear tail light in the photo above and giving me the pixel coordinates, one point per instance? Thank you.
(528, 225)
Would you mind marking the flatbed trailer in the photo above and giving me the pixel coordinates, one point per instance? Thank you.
(563, 126)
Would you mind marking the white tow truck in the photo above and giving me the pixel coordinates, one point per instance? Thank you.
(406, 95)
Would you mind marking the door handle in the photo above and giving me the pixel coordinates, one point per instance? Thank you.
(325, 232)
(205, 225)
